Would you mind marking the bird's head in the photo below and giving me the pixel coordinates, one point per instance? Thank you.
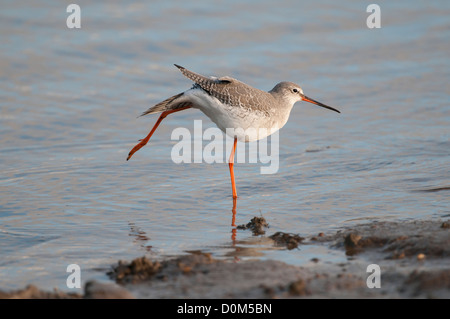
(293, 93)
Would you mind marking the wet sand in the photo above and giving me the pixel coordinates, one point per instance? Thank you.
(414, 259)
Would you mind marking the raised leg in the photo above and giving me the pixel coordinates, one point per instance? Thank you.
(145, 140)
(230, 165)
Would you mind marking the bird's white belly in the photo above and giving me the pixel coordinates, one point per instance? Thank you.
(244, 124)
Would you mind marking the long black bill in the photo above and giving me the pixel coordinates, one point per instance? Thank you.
(307, 99)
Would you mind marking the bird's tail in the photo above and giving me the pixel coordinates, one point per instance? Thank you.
(172, 103)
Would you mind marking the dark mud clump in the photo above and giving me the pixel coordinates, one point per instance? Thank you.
(417, 239)
(32, 292)
(143, 269)
(445, 225)
(291, 241)
(256, 225)
(138, 270)
(355, 243)
(298, 288)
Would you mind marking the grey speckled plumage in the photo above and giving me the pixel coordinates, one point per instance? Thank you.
(231, 92)
(227, 90)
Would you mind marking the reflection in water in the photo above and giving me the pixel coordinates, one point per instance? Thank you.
(233, 220)
(140, 237)
(251, 246)
(234, 230)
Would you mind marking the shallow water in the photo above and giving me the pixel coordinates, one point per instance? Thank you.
(70, 99)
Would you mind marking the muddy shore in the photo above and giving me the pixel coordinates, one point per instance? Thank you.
(414, 261)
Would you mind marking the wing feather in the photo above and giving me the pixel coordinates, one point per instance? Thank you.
(230, 91)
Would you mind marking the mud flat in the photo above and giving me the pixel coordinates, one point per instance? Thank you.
(413, 258)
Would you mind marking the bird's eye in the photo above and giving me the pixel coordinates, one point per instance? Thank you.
(295, 90)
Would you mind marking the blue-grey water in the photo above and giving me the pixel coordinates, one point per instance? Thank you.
(70, 100)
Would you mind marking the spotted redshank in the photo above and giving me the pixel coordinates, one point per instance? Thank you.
(234, 107)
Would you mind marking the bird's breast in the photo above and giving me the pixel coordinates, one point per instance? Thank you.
(245, 123)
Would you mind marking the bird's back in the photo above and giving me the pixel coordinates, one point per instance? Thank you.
(232, 92)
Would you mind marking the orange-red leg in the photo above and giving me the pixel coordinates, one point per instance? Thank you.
(230, 165)
(145, 140)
